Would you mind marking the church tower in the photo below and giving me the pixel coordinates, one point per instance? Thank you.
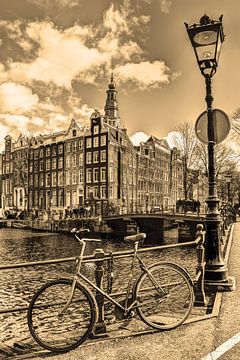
(111, 116)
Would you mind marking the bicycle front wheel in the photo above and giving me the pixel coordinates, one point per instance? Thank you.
(54, 329)
(164, 296)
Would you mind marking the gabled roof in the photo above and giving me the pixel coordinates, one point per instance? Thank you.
(160, 142)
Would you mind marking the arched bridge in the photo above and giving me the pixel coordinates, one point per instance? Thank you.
(154, 225)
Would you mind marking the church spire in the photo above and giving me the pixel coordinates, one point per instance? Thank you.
(111, 108)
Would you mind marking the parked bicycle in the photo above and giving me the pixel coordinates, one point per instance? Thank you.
(63, 312)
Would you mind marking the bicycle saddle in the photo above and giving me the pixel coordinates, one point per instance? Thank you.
(135, 238)
(77, 231)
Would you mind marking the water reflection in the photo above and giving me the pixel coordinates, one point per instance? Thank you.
(17, 286)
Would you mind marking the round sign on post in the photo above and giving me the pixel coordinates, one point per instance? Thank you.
(221, 125)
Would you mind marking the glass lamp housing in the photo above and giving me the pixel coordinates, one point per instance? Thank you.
(206, 39)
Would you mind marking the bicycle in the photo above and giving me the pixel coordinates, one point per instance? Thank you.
(62, 313)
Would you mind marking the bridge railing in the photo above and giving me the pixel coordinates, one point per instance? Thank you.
(100, 257)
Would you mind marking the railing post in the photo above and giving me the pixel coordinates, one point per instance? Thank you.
(100, 327)
(200, 299)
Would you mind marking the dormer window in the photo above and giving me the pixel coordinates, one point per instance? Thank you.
(96, 129)
(74, 132)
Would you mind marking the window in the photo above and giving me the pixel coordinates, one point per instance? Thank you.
(60, 148)
(95, 156)
(89, 158)
(95, 175)
(81, 176)
(54, 179)
(67, 178)
(41, 165)
(60, 197)
(111, 173)
(48, 164)
(95, 141)
(35, 198)
(41, 179)
(74, 160)
(54, 163)
(30, 167)
(88, 143)
(96, 129)
(41, 152)
(68, 147)
(95, 192)
(48, 179)
(36, 153)
(81, 159)
(54, 197)
(68, 198)
(74, 145)
(80, 144)
(48, 151)
(103, 155)
(36, 180)
(89, 175)
(54, 150)
(103, 192)
(68, 161)
(74, 177)
(60, 162)
(31, 180)
(74, 198)
(60, 178)
(74, 132)
(103, 174)
(103, 140)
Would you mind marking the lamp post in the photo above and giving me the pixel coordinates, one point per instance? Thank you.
(206, 39)
(228, 178)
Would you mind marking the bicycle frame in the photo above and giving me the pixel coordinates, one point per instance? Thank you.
(125, 308)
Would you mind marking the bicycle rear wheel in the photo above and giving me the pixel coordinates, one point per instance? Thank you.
(61, 332)
(165, 296)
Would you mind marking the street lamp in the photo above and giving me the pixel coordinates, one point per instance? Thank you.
(228, 178)
(206, 39)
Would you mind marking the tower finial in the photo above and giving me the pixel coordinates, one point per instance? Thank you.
(112, 77)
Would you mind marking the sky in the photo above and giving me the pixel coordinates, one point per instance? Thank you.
(57, 56)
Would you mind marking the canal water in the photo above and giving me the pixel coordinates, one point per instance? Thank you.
(18, 285)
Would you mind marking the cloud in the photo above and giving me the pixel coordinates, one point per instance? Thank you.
(77, 53)
(139, 137)
(60, 57)
(16, 98)
(165, 6)
(47, 4)
(145, 74)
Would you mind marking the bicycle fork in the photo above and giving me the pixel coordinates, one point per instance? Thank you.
(79, 262)
(66, 306)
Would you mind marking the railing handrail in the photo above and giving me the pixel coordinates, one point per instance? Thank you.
(91, 258)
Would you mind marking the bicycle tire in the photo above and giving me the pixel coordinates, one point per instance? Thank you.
(164, 311)
(61, 333)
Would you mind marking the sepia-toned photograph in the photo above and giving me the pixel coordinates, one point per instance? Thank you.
(119, 179)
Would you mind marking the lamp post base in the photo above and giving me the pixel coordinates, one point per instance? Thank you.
(229, 284)
(216, 273)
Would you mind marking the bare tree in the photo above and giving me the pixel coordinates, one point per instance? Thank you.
(225, 158)
(236, 121)
(195, 154)
(184, 138)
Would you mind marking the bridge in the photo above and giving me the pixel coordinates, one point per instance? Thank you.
(154, 224)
